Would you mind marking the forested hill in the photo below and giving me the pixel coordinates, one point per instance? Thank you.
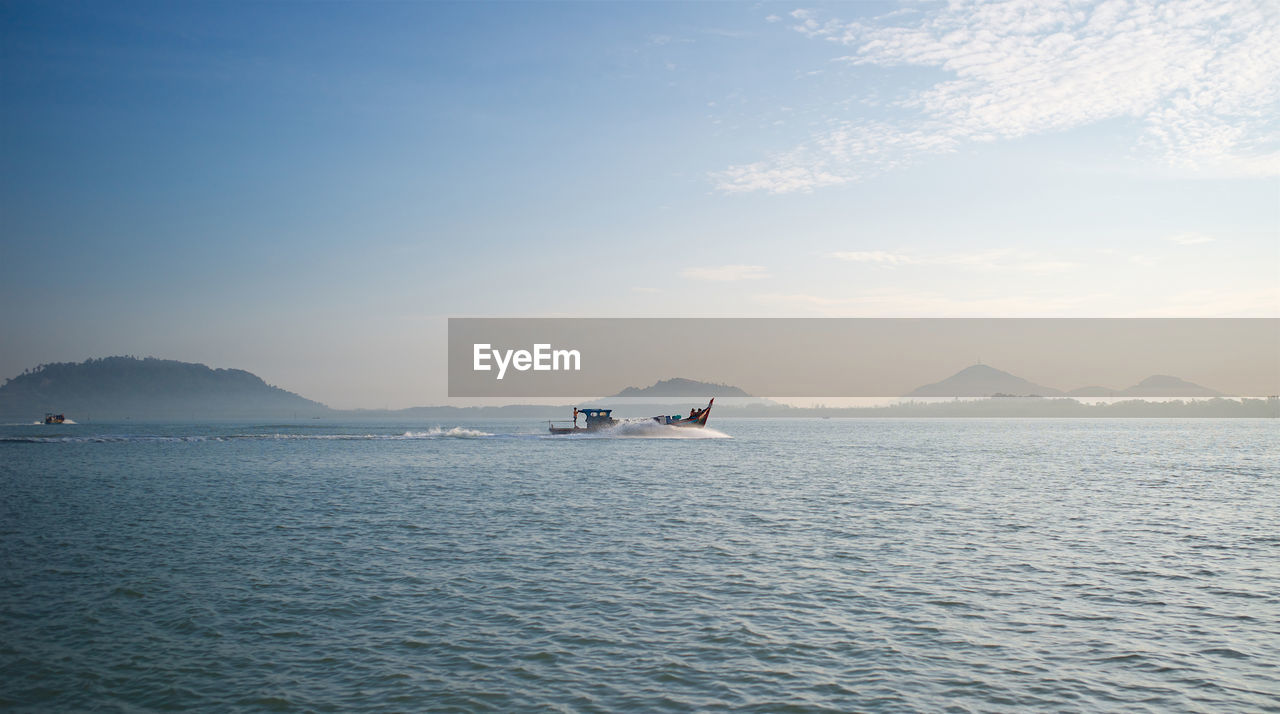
(129, 387)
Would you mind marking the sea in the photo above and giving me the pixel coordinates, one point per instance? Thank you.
(770, 565)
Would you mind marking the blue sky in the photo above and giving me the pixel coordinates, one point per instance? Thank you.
(308, 190)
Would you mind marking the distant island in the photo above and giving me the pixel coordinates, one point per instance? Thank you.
(117, 388)
(148, 388)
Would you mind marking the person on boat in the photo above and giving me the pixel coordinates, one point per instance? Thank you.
(575, 417)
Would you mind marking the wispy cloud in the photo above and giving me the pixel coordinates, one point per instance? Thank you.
(1190, 239)
(1263, 302)
(732, 34)
(782, 174)
(1201, 78)
(999, 259)
(725, 273)
(846, 151)
(932, 304)
(873, 256)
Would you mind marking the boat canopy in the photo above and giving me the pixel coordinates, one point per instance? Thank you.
(596, 413)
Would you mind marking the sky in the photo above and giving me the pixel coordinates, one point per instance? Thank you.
(309, 190)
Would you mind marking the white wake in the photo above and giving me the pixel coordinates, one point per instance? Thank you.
(647, 429)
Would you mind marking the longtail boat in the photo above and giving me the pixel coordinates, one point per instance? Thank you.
(597, 419)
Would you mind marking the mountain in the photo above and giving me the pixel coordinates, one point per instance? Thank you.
(128, 387)
(681, 387)
(982, 380)
(1158, 385)
(1162, 385)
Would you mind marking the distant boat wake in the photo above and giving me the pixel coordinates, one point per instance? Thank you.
(435, 432)
(456, 432)
(641, 429)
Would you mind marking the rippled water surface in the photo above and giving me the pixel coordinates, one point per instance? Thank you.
(800, 565)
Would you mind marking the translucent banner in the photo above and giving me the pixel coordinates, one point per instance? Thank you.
(776, 357)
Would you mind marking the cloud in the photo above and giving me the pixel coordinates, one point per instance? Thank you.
(1262, 302)
(1190, 239)
(725, 273)
(731, 34)
(784, 174)
(1199, 78)
(999, 259)
(933, 304)
(846, 151)
(873, 256)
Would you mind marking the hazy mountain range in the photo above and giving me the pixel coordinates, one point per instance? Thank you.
(982, 380)
(150, 388)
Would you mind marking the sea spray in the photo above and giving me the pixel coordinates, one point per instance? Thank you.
(646, 429)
